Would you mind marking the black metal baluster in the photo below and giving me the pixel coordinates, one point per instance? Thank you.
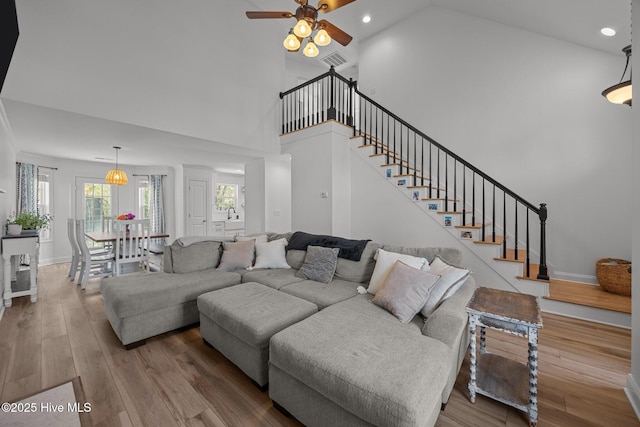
(422, 161)
(515, 243)
(464, 195)
(430, 170)
(493, 216)
(504, 224)
(446, 182)
(528, 260)
(473, 199)
(438, 172)
(455, 185)
(484, 213)
(542, 272)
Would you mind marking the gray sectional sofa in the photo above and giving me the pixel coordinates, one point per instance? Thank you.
(351, 363)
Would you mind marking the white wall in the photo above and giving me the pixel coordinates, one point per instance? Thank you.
(7, 182)
(200, 69)
(320, 179)
(633, 381)
(268, 194)
(524, 108)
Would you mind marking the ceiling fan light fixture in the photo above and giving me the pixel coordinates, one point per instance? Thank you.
(311, 50)
(322, 38)
(302, 29)
(291, 43)
(116, 176)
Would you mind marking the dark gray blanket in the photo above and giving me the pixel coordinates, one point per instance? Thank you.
(349, 249)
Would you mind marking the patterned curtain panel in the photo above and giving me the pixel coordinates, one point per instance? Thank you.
(27, 187)
(156, 205)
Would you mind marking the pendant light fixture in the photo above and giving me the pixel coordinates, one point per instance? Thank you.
(116, 176)
(621, 92)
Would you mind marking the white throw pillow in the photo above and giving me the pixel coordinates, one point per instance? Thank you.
(384, 264)
(451, 279)
(271, 254)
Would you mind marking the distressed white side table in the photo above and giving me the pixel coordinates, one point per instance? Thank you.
(11, 247)
(495, 376)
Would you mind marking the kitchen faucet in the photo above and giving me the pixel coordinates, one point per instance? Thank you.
(229, 212)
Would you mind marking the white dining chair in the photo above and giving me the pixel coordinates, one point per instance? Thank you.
(132, 241)
(91, 264)
(75, 249)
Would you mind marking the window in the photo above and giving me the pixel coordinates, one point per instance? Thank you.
(143, 199)
(226, 197)
(45, 187)
(97, 206)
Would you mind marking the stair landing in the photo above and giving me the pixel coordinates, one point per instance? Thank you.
(587, 295)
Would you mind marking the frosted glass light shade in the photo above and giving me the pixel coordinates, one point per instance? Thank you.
(310, 49)
(291, 43)
(322, 38)
(302, 29)
(116, 177)
(619, 94)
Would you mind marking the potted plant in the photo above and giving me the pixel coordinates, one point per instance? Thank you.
(27, 221)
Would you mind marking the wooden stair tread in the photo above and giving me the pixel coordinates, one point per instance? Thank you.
(473, 226)
(398, 164)
(453, 213)
(534, 269)
(488, 240)
(511, 256)
(434, 199)
(587, 295)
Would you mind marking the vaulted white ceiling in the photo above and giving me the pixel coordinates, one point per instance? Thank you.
(172, 82)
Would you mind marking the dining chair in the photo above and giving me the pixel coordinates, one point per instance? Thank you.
(99, 264)
(132, 241)
(75, 249)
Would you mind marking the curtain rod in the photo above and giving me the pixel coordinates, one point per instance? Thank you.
(40, 166)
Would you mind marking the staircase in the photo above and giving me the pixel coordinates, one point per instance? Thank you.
(502, 229)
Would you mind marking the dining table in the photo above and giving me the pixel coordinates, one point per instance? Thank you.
(110, 236)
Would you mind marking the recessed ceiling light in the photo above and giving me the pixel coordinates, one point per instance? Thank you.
(609, 32)
(366, 19)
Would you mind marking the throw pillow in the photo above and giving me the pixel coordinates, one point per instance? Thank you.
(319, 264)
(451, 279)
(237, 255)
(271, 254)
(405, 291)
(384, 264)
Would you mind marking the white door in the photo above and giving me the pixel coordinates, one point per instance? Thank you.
(197, 204)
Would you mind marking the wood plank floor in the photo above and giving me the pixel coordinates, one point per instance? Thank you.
(175, 380)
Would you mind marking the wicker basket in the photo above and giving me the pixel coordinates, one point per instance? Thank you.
(614, 275)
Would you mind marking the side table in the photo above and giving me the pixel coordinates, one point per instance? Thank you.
(26, 243)
(492, 375)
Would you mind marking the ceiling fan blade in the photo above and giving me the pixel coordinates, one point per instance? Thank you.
(336, 33)
(329, 5)
(268, 15)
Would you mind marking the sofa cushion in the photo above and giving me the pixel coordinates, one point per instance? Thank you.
(452, 256)
(319, 264)
(275, 279)
(237, 255)
(358, 271)
(385, 261)
(322, 294)
(405, 291)
(383, 371)
(140, 293)
(195, 257)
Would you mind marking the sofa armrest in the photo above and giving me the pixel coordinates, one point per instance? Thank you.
(450, 320)
(167, 260)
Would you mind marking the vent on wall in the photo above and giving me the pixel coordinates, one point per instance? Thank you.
(335, 59)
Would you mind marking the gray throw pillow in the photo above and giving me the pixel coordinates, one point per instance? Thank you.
(237, 255)
(319, 264)
(405, 291)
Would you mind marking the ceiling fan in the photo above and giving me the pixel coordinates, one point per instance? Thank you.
(308, 23)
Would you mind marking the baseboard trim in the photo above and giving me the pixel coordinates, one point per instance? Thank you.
(633, 394)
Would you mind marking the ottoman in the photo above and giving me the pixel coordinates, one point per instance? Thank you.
(240, 320)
